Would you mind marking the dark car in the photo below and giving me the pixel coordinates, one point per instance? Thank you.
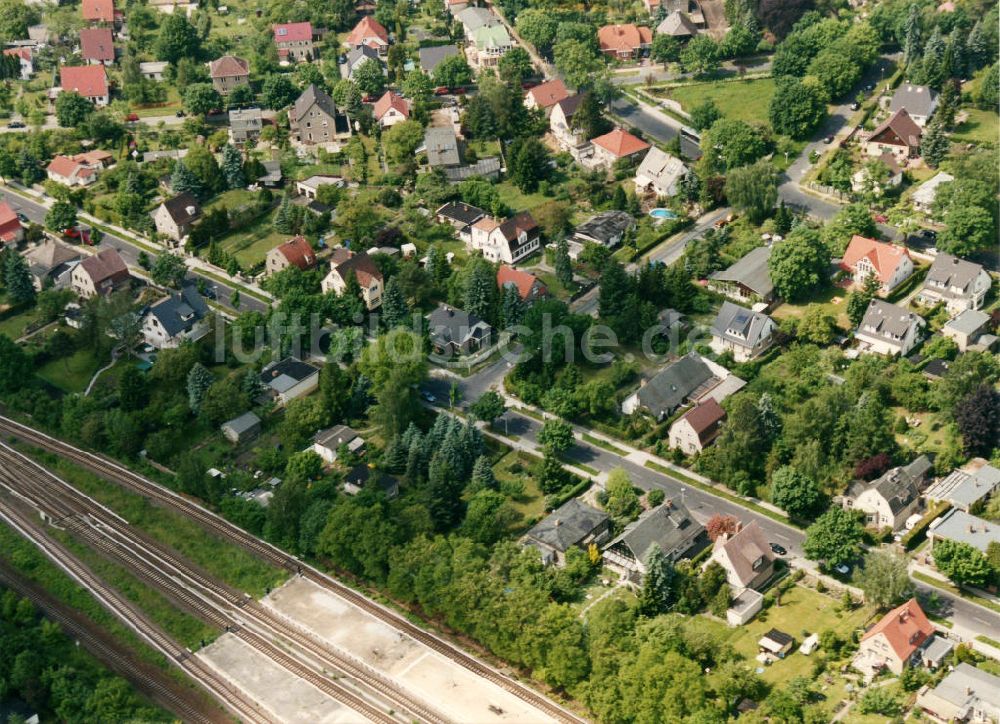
(828, 139)
(779, 549)
(15, 124)
(22, 218)
(180, 114)
(855, 106)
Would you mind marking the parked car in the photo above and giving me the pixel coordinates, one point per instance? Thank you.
(441, 90)
(843, 569)
(428, 396)
(778, 548)
(132, 117)
(15, 124)
(855, 106)
(828, 139)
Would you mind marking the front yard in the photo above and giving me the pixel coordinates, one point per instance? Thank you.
(744, 100)
(832, 299)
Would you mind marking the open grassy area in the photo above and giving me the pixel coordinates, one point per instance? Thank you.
(250, 245)
(14, 324)
(517, 466)
(745, 100)
(832, 299)
(518, 201)
(73, 373)
(980, 127)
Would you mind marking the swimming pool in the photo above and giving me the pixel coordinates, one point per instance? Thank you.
(662, 214)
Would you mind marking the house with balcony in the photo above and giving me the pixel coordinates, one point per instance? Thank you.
(180, 317)
(888, 329)
(364, 270)
(889, 263)
(957, 283)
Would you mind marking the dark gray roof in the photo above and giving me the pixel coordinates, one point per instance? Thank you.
(244, 423)
(482, 167)
(287, 373)
(448, 324)
(667, 390)
(918, 100)
(570, 104)
(605, 226)
(751, 271)
(886, 320)
(431, 57)
(901, 486)
(670, 526)
(335, 436)
(180, 311)
(310, 96)
(361, 475)
(779, 637)
(567, 525)
(461, 212)
(361, 53)
(183, 208)
(948, 272)
(441, 145)
(740, 325)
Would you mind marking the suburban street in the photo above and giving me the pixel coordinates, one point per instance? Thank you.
(654, 123)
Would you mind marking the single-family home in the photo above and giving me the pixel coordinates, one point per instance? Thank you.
(314, 118)
(748, 280)
(454, 332)
(363, 476)
(888, 329)
(90, 81)
(356, 57)
(228, 72)
(294, 41)
(240, 429)
(965, 327)
(391, 109)
(310, 187)
(369, 33)
(431, 56)
(507, 241)
(546, 95)
(327, 443)
(245, 125)
(919, 101)
(615, 146)
(174, 217)
(489, 44)
(895, 641)
(898, 136)
(689, 379)
(892, 498)
(574, 524)
(474, 18)
(101, 274)
(669, 526)
(745, 556)
(923, 197)
(741, 331)
(289, 379)
(958, 283)
(561, 115)
(677, 24)
(889, 263)
(294, 252)
(460, 216)
(529, 287)
(79, 170)
(98, 12)
(607, 229)
(659, 174)
(153, 69)
(179, 317)
(865, 179)
(966, 694)
(697, 428)
(26, 58)
(962, 527)
(11, 231)
(97, 47)
(362, 268)
(624, 42)
(51, 264)
(964, 489)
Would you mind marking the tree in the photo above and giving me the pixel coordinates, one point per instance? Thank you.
(15, 365)
(370, 78)
(515, 66)
(880, 700)
(934, 143)
(589, 118)
(200, 98)
(885, 580)
(563, 264)
(701, 55)
(394, 308)
(859, 299)
(488, 517)
(967, 229)
(753, 190)
(720, 524)
(199, 379)
(622, 500)
(232, 167)
(962, 563)
(817, 326)
(396, 365)
(453, 72)
(729, 144)
(537, 27)
(797, 107)
(796, 494)
(488, 407)
(835, 537)
(704, 114)
(482, 475)
(401, 140)
(657, 594)
(799, 264)
(347, 96)
(278, 91)
(15, 17)
(529, 164)
(61, 216)
(177, 39)
(977, 416)
(850, 220)
(665, 49)
(556, 436)
(17, 279)
(576, 61)
(183, 180)
(168, 270)
(72, 109)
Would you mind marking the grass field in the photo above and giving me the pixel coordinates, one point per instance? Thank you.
(250, 245)
(981, 127)
(518, 201)
(745, 100)
(73, 373)
(14, 324)
(513, 466)
(833, 300)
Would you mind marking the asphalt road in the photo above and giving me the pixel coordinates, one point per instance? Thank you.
(653, 125)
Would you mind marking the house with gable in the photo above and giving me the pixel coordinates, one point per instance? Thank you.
(606, 228)
(364, 270)
(179, 317)
(507, 241)
(919, 101)
(529, 287)
(369, 33)
(748, 280)
(574, 524)
(460, 216)
(895, 642)
(314, 118)
(51, 264)
(690, 379)
(294, 252)
(174, 217)
(669, 526)
(659, 174)
(561, 124)
(454, 332)
(697, 428)
(624, 42)
(99, 12)
(391, 109)
(892, 498)
(889, 263)
(898, 136)
(90, 81)
(959, 284)
(613, 147)
(546, 95)
(79, 170)
(678, 24)
(228, 72)
(99, 274)
(743, 332)
(888, 329)
(746, 557)
(294, 41)
(245, 124)
(11, 231)
(26, 58)
(97, 46)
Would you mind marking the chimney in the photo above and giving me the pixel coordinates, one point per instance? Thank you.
(558, 522)
(190, 210)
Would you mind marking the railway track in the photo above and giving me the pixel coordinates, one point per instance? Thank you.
(160, 495)
(213, 602)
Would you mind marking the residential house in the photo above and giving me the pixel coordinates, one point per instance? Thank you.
(546, 95)
(153, 69)
(240, 429)
(898, 136)
(26, 58)
(607, 229)
(895, 641)
(962, 527)
(918, 101)
(669, 526)
(365, 476)
(958, 283)
(364, 270)
(180, 317)
(966, 694)
(97, 47)
(677, 24)
(228, 72)
(890, 263)
(561, 124)
(98, 12)
(966, 327)
(507, 241)
(327, 443)
(175, 216)
(965, 489)
(79, 170)
(748, 280)
(51, 264)
(888, 329)
(862, 180)
(289, 379)
(454, 332)
(529, 287)
(615, 146)
(461, 216)
(356, 57)
(741, 331)
(659, 174)
(746, 557)
(314, 118)
(294, 41)
(11, 231)
(923, 197)
(689, 379)
(489, 44)
(888, 501)
(101, 274)
(90, 81)
(624, 42)
(245, 125)
(430, 57)
(473, 18)
(273, 177)
(697, 428)
(454, 7)
(574, 524)
(369, 33)
(391, 109)
(294, 252)
(310, 186)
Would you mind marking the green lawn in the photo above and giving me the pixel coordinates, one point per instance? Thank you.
(745, 100)
(13, 325)
(518, 201)
(250, 245)
(73, 373)
(170, 106)
(515, 466)
(980, 127)
(832, 299)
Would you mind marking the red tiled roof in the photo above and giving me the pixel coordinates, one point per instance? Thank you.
(623, 38)
(298, 252)
(90, 81)
(293, 32)
(367, 27)
(10, 227)
(363, 267)
(520, 279)
(704, 415)
(99, 10)
(883, 257)
(549, 93)
(906, 628)
(228, 66)
(23, 52)
(620, 143)
(390, 100)
(97, 44)
(63, 166)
